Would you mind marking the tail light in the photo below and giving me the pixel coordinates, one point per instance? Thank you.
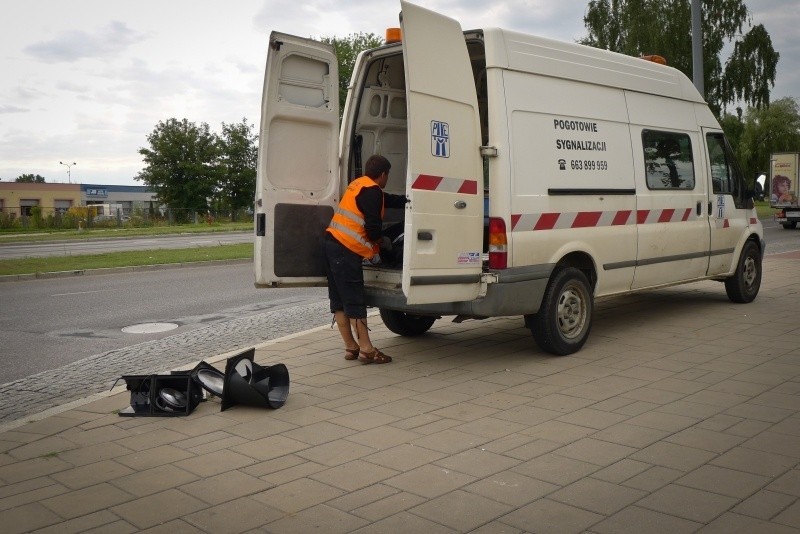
(498, 244)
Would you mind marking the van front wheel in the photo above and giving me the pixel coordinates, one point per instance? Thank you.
(743, 286)
(562, 324)
(406, 324)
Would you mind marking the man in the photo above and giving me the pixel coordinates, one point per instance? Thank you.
(352, 237)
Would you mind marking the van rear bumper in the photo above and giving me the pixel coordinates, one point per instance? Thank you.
(516, 291)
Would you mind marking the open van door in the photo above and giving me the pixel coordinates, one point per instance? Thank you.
(444, 221)
(298, 164)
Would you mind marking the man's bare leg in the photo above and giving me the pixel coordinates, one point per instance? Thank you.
(350, 344)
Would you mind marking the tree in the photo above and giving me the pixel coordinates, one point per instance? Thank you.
(181, 165)
(237, 166)
(347, 50)
(30, 179)
(767, 130)
(663, 27)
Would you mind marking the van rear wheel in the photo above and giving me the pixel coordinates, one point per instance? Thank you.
(743, 286)
(562, 324)
(790, 225)
(406, 324)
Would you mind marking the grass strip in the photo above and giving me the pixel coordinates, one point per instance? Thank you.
(125, 259)
(32, 236)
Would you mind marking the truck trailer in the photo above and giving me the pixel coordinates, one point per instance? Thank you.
(784, 183)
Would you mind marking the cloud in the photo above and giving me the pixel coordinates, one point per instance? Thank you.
(5, 108)
(74, 45)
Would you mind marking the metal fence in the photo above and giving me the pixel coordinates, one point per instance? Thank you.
(87, 217)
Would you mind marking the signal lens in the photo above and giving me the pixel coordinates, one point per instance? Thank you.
(498, 244)
(393, 35)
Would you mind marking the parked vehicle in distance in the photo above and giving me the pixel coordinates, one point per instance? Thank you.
(785, 186)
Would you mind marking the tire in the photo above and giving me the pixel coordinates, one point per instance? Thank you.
(743, 286)
(790, 225)
(406, 324)
(564, 319)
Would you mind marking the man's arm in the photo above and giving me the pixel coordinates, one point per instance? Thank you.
(369, 202)
(394, 201)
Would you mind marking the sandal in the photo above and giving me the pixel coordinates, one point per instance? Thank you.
(351, 354)
(375, 356)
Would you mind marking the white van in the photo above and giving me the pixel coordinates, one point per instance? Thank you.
(539, 176)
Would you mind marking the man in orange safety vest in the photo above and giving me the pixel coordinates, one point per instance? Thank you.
(352, 237)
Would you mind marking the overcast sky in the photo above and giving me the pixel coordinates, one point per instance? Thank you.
(86, 81)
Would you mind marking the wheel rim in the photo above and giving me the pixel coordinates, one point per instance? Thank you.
(571, 312)
(750, 271)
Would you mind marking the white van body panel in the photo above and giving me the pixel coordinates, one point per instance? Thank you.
(558, 59)
(579, 164)
(298, 161)
(673, 232)
(444, 166)
(557, 201)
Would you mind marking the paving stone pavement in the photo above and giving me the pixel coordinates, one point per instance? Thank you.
(681, 414)
(98, 373)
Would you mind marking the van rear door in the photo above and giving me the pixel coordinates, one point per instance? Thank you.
(298, 170)
(444, 221)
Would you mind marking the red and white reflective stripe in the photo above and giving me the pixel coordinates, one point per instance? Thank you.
(426, 182)
(592, 219)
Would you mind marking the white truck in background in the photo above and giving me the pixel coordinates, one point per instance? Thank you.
(539, 175)
(784, 174)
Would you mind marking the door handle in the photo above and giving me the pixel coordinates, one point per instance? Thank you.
(699, 208)
(425, 236)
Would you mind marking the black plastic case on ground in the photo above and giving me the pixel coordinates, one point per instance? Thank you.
(161, 395)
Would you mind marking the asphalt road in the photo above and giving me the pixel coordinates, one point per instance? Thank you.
(45, 324)
(780, 239)
(100, 246)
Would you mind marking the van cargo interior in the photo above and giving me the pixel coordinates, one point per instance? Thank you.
(380, 121)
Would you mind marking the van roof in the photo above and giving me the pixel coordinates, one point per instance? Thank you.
(548, 57)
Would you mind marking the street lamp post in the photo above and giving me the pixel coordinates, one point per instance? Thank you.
(69, 170)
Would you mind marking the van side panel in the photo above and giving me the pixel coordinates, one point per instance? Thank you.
(672, 220)
(571, 61)
(572, 178)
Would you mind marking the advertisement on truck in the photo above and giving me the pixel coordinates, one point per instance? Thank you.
(784, 191)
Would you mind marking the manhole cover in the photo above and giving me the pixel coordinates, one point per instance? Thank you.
(149, 328)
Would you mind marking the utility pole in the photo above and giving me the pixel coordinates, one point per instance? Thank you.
(697, 47)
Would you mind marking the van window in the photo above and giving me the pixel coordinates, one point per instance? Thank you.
(668, 160)
(725, 174)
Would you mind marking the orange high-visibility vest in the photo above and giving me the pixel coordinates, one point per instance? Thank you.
(347, 224)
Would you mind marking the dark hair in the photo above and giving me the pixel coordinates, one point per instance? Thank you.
(376, 165)
(780, 179)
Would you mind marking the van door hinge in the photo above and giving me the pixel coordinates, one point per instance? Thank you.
(488, 151)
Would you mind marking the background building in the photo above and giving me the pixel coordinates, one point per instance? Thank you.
(57, 205)
(128, 198)
(18, 199)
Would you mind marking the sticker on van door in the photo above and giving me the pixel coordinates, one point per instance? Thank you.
(440, 139)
